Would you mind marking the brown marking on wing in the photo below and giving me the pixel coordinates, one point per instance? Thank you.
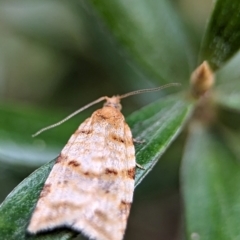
(62, 182)
(125, 204)
(84, 131)
(46, 190)
(65, 205)
(117, 138)
(74, 163)
(101, 215)
(131, 173)
(60, 159)
(103, 116)
(111, 171)
(125, 208)
(107, 173)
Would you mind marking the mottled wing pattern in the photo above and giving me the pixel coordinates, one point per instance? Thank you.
(90, 188)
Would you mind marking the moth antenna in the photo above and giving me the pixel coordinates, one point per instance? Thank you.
(149, 90)
(69, 116)
(102, 99)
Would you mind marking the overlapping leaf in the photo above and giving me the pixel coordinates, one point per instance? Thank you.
(210, 179)
(222, 38)
(151, 33)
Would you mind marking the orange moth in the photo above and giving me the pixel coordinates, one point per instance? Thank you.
(90, 187)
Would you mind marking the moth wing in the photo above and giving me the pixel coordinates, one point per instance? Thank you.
(90, 187)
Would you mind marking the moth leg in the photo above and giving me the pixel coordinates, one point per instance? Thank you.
(138, 141)
(140, 166)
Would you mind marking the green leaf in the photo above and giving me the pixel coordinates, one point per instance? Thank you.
(210, 184)
(222, 37)
(11, 175)
(164, 176)
(151, 33)
(158, 124)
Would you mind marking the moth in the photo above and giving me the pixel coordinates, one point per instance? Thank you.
(90, 187)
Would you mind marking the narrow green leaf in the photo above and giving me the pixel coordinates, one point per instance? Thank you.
(157, 124)
(210, 184)
(152, 34)
(222, 37)
(164, 176)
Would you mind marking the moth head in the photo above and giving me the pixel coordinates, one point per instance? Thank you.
(113, 102)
